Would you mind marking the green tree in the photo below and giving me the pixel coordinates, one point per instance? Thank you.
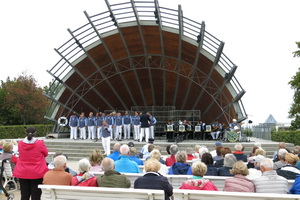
(294, 112)
(22, 101)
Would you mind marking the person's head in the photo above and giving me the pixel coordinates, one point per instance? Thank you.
(181, 157)
(132, 151)
(254, 149)
(150, 147)
(119, 114)
(124, 150)
(218, 144)
(157, 147)
(266, 165)
(238, 147)
(258, 160)
(218, 150)
(229, 160)
(104, 123)
(239, 168)
(91, 114)
(260, 151)
(296, 150)
(96, 157)
(136, 113)
(126, 112)
(203, 150)
(108, 164)
(197, 147)
(168, 149)
(155, 154)
(117, 147)
(199, 169)
(281, 145)
(84, 165)
(82, 115)
(224, 151)
(30, 132)
(60, 162)
(73, 114)
(257, 144)
(14, 142)
(7, 147)
(281, 154)
(291, 159)
(189, 151)
(207, 159)
(173, 149)
(152, 165)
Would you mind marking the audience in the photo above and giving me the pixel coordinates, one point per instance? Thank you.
(208, 161)
(239, 183)
(85, 177)
(239, 154)
(180, 166)
(31, 166)
(255, 172)
(202, 151)
(229, 161)
(218, 152)
(281, 159)
(214, 152)
(270, 182)
(290, 170)
(196, 153)
(67, 169)
(115, 155)
(145, 149)
(133, 156)
(155, 154)
(58, 175)
(112, 178)
(124, 164)
(224, 151)
(281, 145)
(95, 160)
(258, 151)
(171, 160)
(153, 179)
(189, 152)
(197, 182)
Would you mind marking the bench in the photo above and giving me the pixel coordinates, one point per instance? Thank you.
(7, 174)
(59, 192)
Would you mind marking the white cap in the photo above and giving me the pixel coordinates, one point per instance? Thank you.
(234, 120)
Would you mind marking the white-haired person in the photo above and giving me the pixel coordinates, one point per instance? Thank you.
(270, 181)
(85, 177)
(255, 172)
(180, 167)
(171, 160)
(153, 179)
(239, 154)
(124, 164)
(229, 161)
(156, 155)
(239, 183)
(58, 175)
(281, 156)
(197, 182)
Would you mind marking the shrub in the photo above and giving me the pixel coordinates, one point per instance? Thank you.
(286, 136)
(18, 131)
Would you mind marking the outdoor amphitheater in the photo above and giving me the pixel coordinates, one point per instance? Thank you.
(138, 56)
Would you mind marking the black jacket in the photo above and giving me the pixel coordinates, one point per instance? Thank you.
(153, 180)
(224, 171)
(145, 120)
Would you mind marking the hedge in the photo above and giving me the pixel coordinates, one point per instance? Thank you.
(18, 131)
(286, 136)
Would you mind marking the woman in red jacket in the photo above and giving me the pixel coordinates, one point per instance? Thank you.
(31, 166)
(84, 178)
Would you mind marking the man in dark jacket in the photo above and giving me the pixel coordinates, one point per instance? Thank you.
(239, 154)
(145, 121)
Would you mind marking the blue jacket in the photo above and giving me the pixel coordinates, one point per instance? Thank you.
(211, 171)
(180, 168)
(114, 155)
(135, 159)
(295, 189)
(125, 165)
(224, 171)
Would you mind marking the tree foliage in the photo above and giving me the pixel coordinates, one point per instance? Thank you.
(294, 112)
(22, 101)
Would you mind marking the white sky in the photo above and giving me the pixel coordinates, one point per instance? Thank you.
(259, 38)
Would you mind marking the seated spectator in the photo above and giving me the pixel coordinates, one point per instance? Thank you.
(239, 154)
(281, 159)
(218, 152)
(224, 151)
(214, 152)
(145, 149)
(290, 170)
(196, 154)
(256, 145)
(112, 178)
(239, 183)
(296, 150)
(295, 189)
(189, 152)
(197, 182)
(154, 180)
(180, 167)
(133, 156)
(124, 164)
(155, 154)
(281, 145)
(84, 178)
(58, 175)
(161, 160)
(67, 169)
(255, 172)
(115, 155)
(229, 161)
(171, 160)
(202, 151)
(208, 161)
(270, 182)
(258, 151)
(95, 160)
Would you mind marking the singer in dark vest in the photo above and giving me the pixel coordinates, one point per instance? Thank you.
(145, 121)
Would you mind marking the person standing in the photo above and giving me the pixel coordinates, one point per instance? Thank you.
(105, 134)
(110, 122)
(31, 166)
(136, 125)
(73, 126)
(91, 126)
(82, 123)
(151, 125)
(127, 121)
(99, 121)
(145, 121)
(118, 124)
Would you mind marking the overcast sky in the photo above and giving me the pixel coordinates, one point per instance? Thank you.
(259, 38)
